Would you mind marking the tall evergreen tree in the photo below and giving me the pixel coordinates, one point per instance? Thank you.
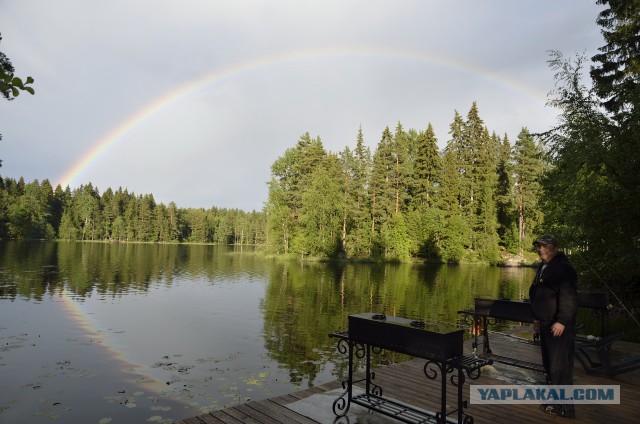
(86, 211)
(483, 153)
(504, 195)
(596, 152)
(356, 168)
(424, 220)
(453, 170)
(146, 224)
(617, 66)
(427, 169)
(382, 190)
(174, 224)
(528, 167)
(401, 175)
(455, 235)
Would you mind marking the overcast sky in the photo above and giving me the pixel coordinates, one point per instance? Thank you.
(193, 100)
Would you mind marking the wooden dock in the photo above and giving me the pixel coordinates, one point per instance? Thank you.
(407, 383)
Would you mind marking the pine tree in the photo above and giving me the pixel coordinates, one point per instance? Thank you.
(382, 190)
(595, 150)
(453, 170)
(401, 175)
(617, 68)
(454, 237)
(427, 170)
(528, 167)
(86, 211)
(424, 220)
(504, 195)
(174, 223)
(356, 168)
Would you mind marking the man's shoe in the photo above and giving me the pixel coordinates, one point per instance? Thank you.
(558, 410)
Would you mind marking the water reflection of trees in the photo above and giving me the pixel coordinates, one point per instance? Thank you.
(305, 302)
(31, 270)
(302, 303)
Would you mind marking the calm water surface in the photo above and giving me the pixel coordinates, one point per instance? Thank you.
(121, 333)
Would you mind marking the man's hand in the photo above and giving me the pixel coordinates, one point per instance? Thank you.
(557, 329)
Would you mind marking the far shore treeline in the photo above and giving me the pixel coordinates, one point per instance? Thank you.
(469, 203)
(480, 199)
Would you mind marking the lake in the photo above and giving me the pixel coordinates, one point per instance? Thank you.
(119, 333)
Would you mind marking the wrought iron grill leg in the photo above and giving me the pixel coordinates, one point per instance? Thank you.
(461, 380)
(342, 404)
(368, 371)
(443, 393)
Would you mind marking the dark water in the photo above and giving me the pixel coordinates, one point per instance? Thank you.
(121, 333)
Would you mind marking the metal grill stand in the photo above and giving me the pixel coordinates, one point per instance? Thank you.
(457, 369)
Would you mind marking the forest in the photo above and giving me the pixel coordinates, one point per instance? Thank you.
(480, 199)
(407, 200)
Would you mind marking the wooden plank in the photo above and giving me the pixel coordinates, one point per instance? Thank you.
(274, 410)
(223, 416)
(241, 416)
(259, 416)
(194, 420)
(406, 382)
(208, 419)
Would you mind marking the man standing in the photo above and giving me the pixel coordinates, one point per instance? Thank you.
(554, 303)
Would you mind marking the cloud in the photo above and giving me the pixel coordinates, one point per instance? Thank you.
(283, 67)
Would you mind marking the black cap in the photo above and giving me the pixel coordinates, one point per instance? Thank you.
(546, 239)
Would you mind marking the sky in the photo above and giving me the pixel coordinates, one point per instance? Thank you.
(192, 101)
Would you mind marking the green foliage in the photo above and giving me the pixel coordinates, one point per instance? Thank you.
(35, 211)
(381, 182)
(424, 227)
(409, 200)
(528, 167)
(406, 201)
(505, 197)
(454, 240)
(11, 85)
(427, 169)
(321, 220)
(617, 66)
(396, 239)
(592, 193)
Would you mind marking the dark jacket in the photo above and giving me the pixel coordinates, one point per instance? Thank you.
(553, 293)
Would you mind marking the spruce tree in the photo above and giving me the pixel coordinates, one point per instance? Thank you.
(504, 195)
(453, 170)
(401, 174)
(528, 167)
(427, 170)
(592, 194)
(455, 235)
(617, 66)
(382, 188)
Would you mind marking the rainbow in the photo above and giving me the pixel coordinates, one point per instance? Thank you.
(219, 76)
(75, 312)
(137, 372)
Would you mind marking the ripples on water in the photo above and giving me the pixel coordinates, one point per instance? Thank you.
(130, 333)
